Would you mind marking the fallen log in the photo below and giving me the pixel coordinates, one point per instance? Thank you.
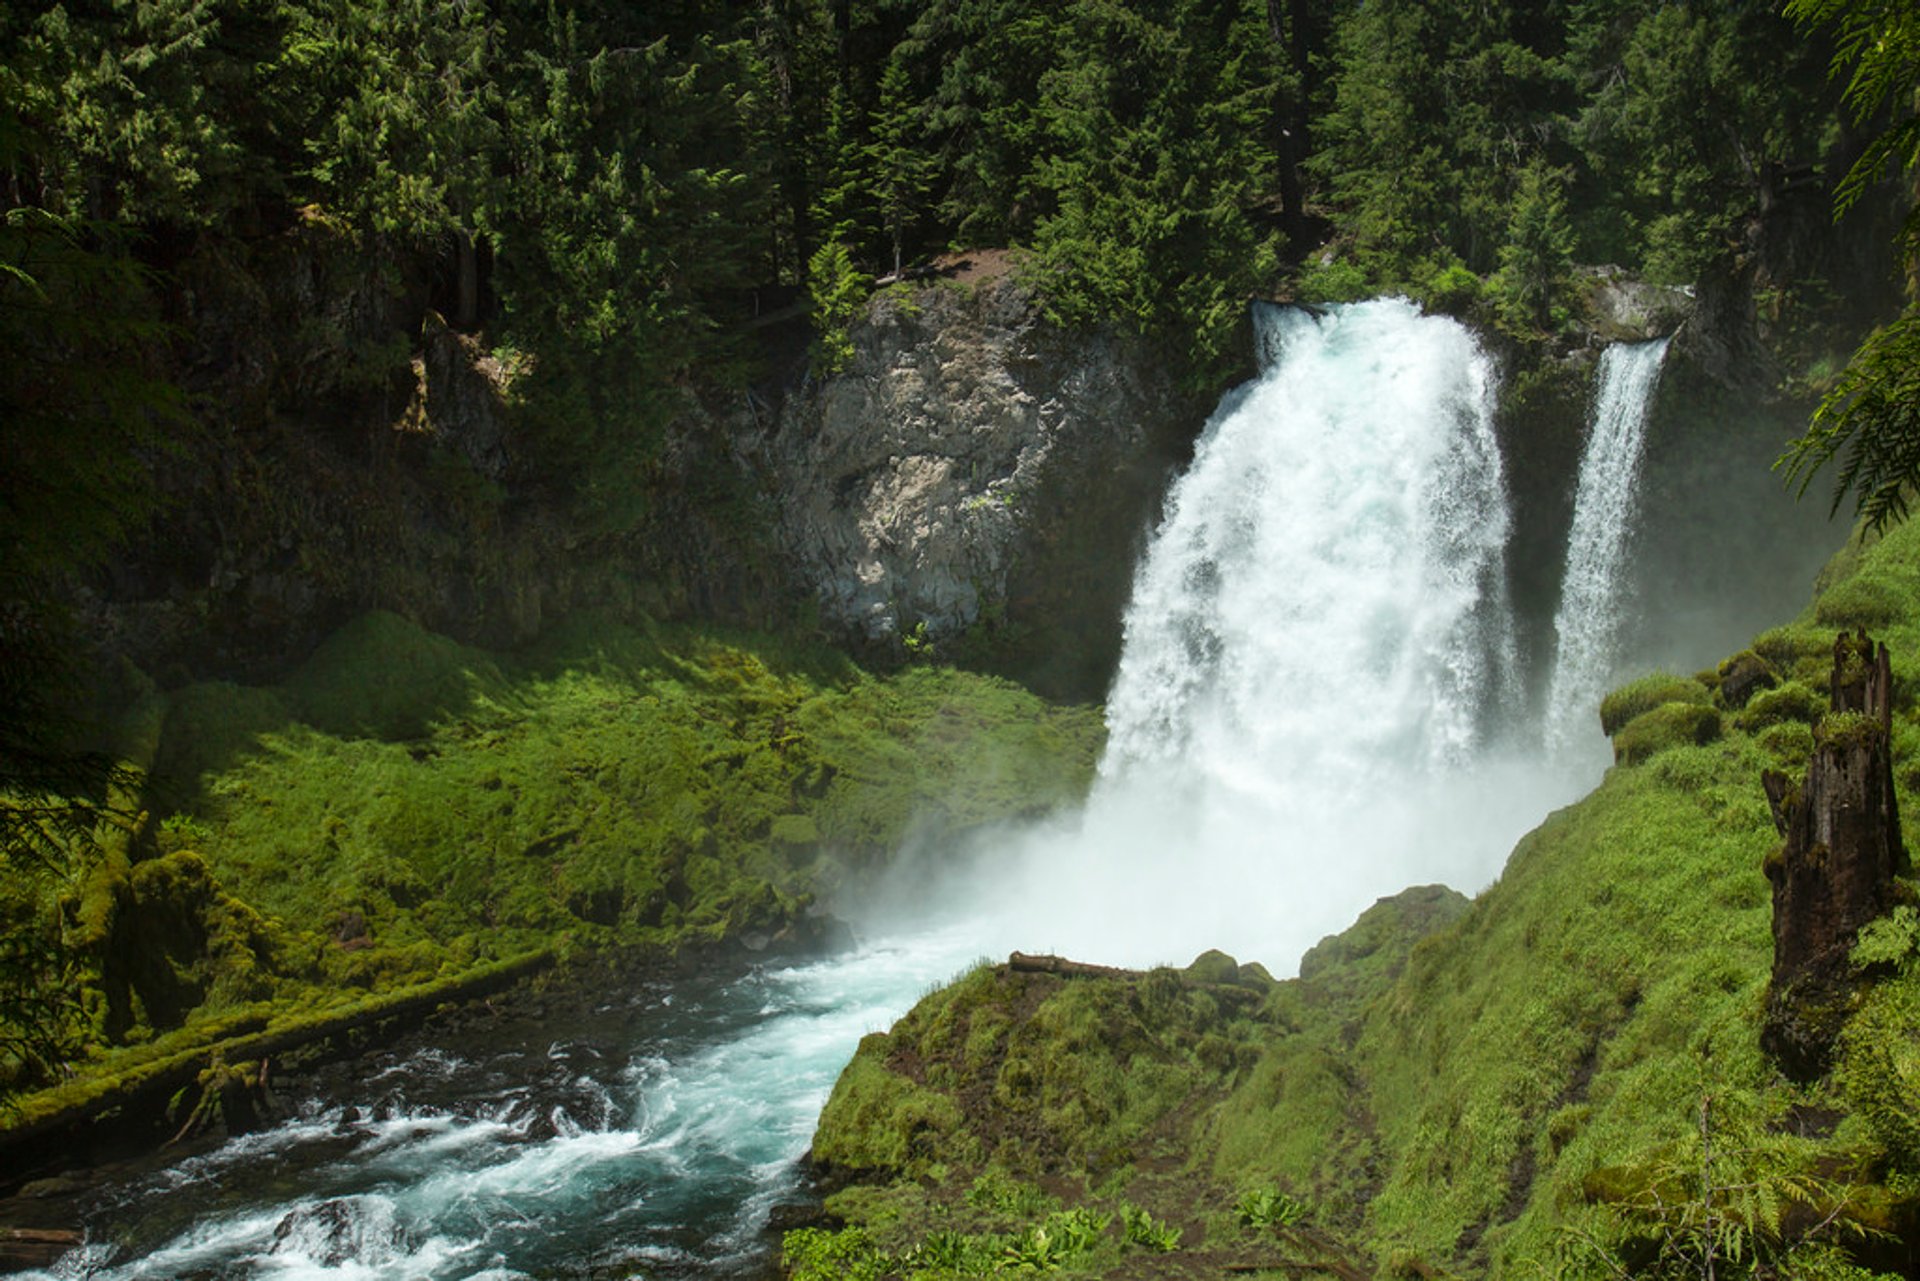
(1029, 963)
(23, 1248)
(248, 1038)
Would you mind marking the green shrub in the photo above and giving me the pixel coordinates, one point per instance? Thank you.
(1143, 1230)
(1268, 1208)
(1861, 602)
(1643, 695)
(1669, 725)
(816, 1254)
(1792, 701)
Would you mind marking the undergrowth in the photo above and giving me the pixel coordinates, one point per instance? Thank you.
(402, 809)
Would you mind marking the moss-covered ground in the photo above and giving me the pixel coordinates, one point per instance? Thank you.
(403, 815)
(1561, 1079)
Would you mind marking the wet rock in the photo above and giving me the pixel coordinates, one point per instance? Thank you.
(1622, 308)
(26, 1248)
(339, 1231)
(1743, 676)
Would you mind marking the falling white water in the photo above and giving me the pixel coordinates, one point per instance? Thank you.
(1318, 664)
(1587, 626)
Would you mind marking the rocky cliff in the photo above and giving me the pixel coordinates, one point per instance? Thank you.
(978, 481)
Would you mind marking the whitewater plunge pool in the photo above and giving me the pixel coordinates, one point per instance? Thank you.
(646, 1137)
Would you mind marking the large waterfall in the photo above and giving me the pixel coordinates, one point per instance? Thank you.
(1319, 660)
(1587, 626)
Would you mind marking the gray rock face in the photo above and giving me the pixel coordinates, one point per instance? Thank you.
(465, 401)
(1623, 309)
(976, 469)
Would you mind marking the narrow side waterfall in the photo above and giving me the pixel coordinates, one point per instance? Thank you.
(1319, 661)
(1587, 625)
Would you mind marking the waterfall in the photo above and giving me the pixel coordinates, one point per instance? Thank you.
(1318, 654)
(1587, 624)
(1326, 593)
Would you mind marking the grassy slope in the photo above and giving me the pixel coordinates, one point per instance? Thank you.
(1517, 1097)
(403, 812)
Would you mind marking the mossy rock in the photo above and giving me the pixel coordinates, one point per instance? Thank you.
(1798, 651)
(1791, 702)
(1638, 697)
(1669, 725)
(1741, 677)
(212, 725)
(382, 676)
(1861, 602)
(1790, 743)
(1213, 966)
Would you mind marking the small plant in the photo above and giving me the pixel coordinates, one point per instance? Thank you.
(997, 1193)
(1147, 1232)
(918, 644)
(815, 1254)
(1077, 1230)
(1268, 1208)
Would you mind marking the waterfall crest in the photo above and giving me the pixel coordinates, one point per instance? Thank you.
(1587, 625)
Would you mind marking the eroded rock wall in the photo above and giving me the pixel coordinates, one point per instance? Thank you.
(980, 482)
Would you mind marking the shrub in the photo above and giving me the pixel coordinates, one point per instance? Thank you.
(1148, 1233)
(1643, 695)
(1670, 725)
(1860, 602)
(1790, 702)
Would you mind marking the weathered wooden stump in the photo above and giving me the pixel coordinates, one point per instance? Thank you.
(1839, 854)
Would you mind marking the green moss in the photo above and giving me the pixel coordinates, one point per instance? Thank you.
(1862, 602)
(1667, 726)
(405, 808)
(1641, 696)
(877, 1120)
(1792, 701)
(386, 677)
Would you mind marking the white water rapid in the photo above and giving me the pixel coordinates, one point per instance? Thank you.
(1587, 627)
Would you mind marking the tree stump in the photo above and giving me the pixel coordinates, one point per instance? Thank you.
(1835, 868)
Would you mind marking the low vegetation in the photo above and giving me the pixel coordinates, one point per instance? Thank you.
(403, 812)
(1563, 1078)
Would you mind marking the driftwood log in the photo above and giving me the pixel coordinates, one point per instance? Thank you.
(1840, 851)
(143, 1089)
(24, 1248)
(1028, 963)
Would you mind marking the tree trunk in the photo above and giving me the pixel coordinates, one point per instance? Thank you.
(1834, 870)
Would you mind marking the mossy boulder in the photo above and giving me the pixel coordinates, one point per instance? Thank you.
(1365, 958)
(881, 1121)
(1643, 695)
(1667, 726)
(1792, 701)
(383, 676)
(1741, 677)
